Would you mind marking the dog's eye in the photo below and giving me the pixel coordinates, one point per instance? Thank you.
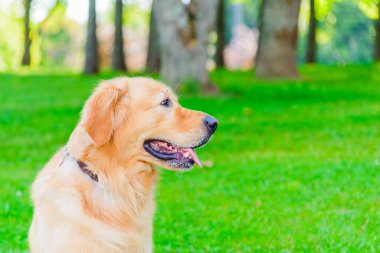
(167, 103)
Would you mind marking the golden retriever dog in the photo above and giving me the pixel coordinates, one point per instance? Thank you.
(96, 194)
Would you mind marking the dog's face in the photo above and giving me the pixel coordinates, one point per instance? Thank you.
(139, 118)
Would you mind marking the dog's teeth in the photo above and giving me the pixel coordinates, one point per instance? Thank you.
(187, 154)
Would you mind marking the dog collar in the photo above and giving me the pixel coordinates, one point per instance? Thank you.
(88, 172)
(82, 165)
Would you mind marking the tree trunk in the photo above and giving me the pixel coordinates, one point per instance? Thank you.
(220, 30)
(153, 56)
(261, 18)
(277, 53)
(118, 57)
(311, 38)
(92, 56)
(27, 41)
(377, 38)
(184, 37)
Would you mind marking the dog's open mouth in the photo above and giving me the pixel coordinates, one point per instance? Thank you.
(175, 156)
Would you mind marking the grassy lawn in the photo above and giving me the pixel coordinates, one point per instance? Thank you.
(296, 164)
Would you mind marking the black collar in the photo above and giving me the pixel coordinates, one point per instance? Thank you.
(82, 165)
(88, 172)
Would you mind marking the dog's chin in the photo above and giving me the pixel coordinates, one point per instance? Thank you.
(172, 156)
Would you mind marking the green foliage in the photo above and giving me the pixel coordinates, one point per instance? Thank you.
(11, 44)
(240, 1)
(55, 39)
(345, 34)
(12, 26)
(295, 163)
(349, 36)
(251, 13)
(134, 16)
(369, 8)
(323, 8)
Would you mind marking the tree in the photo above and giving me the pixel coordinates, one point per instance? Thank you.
(92, 57)
(277, 52)
(311, 37)
(377, 37)
(153, 56)
(371, 9)
(118, 57)
(220, 30)
(27, 40)
(184, 36)
(57, 5)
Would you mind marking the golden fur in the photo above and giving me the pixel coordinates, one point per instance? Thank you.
(73, 213)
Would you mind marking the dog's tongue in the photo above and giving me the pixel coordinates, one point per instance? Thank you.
(194, 157)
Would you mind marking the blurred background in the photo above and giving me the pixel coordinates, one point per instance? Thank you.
(295, 85)
(344, 32)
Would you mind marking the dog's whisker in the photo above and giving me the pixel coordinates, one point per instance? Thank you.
(177, 85)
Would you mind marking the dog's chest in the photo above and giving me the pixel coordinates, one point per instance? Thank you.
(111, 222)
(123, 223)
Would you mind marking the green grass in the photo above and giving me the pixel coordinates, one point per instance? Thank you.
(296, 164)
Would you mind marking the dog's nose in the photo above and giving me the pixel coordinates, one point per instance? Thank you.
(211, 124)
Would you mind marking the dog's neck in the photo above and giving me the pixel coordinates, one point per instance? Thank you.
(124, 191)
(123, 198)
(81, 165)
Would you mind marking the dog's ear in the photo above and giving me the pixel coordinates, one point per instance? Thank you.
(99, 118)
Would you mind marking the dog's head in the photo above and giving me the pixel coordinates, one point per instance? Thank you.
(141, 119)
